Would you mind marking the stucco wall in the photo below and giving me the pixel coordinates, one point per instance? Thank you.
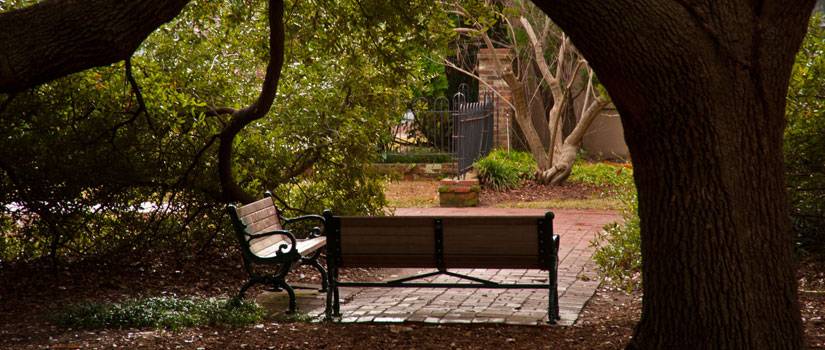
(605, 139)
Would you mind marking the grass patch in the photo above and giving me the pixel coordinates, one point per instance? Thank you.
(416, 155)
(163, 312)
(412, 194)
(588, 203)
(618, 247)
(601, 174)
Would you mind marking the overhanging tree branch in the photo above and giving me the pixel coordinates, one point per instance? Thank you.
(55, 38)
(240, 118)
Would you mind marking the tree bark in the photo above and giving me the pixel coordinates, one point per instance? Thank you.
(257, 110)
(701, 93)
(55, 38)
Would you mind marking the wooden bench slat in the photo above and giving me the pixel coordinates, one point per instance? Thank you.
(304, 247)
(259, 215)
(260, 245)
(386, 221)
(407, 236)
(308, 246)
(451, 262)
(422, 261)
(386, 242)
(480, 238)
(265, 224)
(254, 206)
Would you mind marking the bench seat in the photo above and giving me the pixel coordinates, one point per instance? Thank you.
(305, 247)
(263, 240)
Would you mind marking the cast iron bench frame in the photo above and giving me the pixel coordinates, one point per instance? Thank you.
(261, 220)
(545, 252)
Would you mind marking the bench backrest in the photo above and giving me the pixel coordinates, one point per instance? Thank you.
(465, 241)
(256, 217)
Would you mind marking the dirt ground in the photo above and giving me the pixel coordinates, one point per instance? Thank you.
(424, 193)
(30, 294)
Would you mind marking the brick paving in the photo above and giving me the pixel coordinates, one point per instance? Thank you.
(577, 282)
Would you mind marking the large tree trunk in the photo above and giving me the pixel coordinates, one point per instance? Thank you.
(55, 38)
(701, 92)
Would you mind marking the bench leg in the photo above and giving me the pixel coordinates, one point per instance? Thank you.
(250, 283)
(291, 292)
(553, 302)
(314, 263)
(336, 303)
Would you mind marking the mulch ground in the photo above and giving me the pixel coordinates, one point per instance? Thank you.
(532, 191)
(29, 294)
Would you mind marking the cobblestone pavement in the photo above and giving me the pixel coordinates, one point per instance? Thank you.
(577, 282)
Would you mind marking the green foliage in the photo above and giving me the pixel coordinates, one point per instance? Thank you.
(618, 248)
(601, 174)
(416, 156)
(163, 312)
(503, 170)
(83, 172)
(805, 140)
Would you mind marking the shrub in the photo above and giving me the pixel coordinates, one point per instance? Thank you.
(415, 158)
(618, 248)
(160, 312)
(601, 174)
(503, 170)
(805, 141)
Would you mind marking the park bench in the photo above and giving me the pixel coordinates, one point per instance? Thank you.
(263, 240)
(441, 243)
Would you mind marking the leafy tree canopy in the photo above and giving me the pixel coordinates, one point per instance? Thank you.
(90, 161)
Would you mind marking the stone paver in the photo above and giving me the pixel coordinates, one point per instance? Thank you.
(577, 282)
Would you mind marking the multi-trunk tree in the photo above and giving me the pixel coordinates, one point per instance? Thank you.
(546, 76)
(700, 87)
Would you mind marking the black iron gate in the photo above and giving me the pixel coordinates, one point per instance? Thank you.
(472, 131)
(458, 127)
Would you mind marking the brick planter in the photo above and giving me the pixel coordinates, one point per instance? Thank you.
(458, 193)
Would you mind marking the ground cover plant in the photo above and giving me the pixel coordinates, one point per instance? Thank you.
(160, 312)
(618, 247)
(604, 174)
(416, 156)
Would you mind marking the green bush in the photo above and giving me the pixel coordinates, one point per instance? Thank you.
(600, 174)
(503, 170)
(415, 158)
(805, 142)
(618, 248)
(160, 312)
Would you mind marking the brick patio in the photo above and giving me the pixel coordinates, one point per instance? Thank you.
(577, 282)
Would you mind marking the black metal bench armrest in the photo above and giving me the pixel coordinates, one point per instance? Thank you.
(288, 221)
(293, 243)
(316, 231)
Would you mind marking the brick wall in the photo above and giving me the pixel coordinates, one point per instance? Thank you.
(503, 113)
